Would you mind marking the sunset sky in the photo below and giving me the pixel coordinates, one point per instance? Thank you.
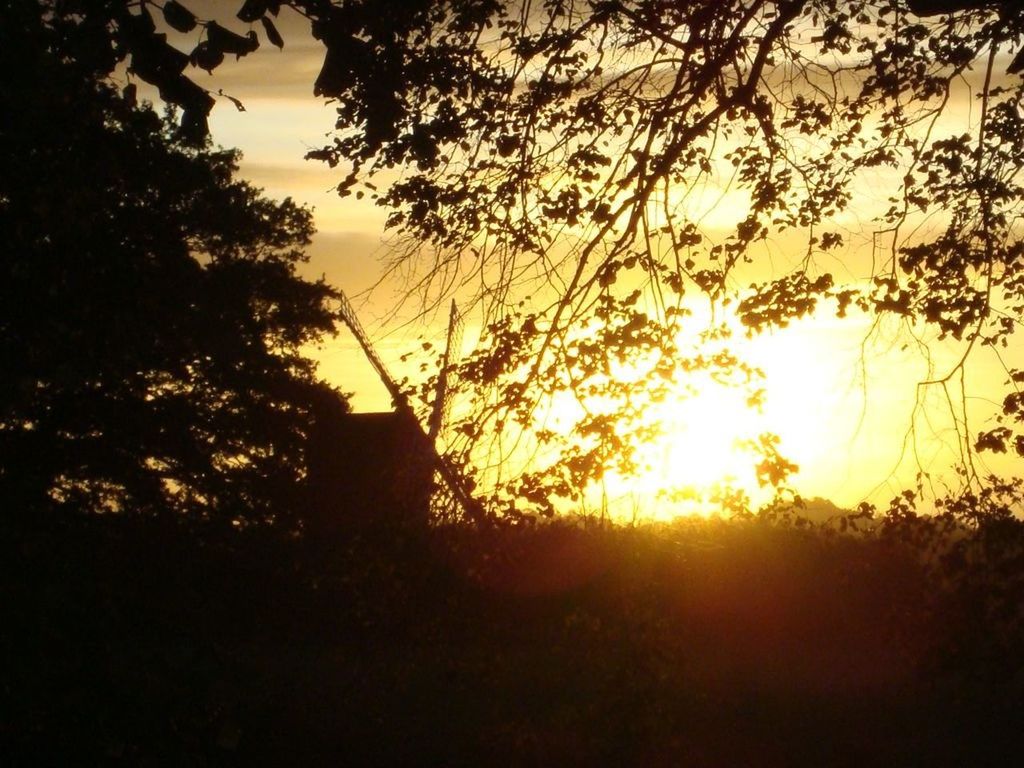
(840, 394)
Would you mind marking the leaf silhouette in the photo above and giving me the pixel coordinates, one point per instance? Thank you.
(179, 17)
(272, 34)
(225, 41)
(252, 10)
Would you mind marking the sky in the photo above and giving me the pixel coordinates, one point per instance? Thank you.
(843, 395)
(281, 121)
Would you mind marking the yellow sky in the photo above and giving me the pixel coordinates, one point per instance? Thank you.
(844, 411)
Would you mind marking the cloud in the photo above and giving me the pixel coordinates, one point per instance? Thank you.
(347, 260)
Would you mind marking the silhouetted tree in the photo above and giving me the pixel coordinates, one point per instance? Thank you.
(572, 150)
(560, 158)
(151, 316)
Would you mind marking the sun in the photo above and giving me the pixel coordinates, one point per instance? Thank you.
(704, 439)
(839, 409)
(710, 437)
(703, 452)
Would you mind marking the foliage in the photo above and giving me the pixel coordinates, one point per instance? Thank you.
(151, 316)
(708, 642)
(574, 151)
(590, 169)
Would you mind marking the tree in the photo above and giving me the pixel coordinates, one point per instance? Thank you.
(569, 151)
(151, 316)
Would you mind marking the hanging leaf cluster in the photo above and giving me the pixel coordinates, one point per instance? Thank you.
(102, 35)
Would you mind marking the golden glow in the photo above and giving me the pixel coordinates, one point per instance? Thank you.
(708, 435)
(699, 453)
(845, 403)
(844, 417)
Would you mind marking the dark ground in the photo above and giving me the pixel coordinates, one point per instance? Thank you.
(699, 644)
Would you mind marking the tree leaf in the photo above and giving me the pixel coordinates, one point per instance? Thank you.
(226, 41)
(179, 17)
(272, 34)
(252, 10)
(205, 56)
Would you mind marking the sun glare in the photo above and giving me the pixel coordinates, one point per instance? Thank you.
(705, 452)
(702, 452)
